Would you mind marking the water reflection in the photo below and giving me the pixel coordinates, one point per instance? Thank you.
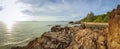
(20, 33)
(9, 25)
(6, 36)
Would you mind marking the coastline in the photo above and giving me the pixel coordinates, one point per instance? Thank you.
(62, 38)
(81, 37)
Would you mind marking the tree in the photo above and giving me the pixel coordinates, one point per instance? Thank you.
(89, 17)
(98, 18)
(106, 17)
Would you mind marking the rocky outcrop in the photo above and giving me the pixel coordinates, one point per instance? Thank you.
(88, 39)
(114, 29)
(78, 37)
(52, 40)
(56, 28)
(69, 38)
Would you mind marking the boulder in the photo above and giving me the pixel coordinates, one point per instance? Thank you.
(71, 22)
(56, 28)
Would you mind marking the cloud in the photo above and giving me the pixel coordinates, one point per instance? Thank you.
(11, 11)
(70, 9)
(1, 8)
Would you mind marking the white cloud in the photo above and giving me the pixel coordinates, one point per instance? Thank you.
(1, 8)
(11, 12)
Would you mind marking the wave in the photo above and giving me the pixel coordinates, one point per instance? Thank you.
(14, 43)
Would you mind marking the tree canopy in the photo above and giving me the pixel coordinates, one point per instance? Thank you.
(96, 18)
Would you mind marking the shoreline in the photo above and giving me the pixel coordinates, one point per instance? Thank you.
(81, 37)
(57, 34)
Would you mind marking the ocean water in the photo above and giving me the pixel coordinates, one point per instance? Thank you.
(24, 31)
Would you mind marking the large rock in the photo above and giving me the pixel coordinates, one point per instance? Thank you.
(56, 28)
(114, 29)
(88, 39)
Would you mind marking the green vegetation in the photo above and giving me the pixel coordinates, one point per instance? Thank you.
(96, 18)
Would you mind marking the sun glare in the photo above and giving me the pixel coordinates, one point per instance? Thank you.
(10, 21)
(9, 25)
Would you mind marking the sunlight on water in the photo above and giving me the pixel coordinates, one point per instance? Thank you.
(9, 25)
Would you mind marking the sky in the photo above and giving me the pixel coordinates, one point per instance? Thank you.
(53, 10)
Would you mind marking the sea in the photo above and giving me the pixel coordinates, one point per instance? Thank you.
(22, 32)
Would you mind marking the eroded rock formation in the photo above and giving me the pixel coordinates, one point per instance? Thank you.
(114, 29)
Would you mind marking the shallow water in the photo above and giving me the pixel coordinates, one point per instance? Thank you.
(23, 32)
